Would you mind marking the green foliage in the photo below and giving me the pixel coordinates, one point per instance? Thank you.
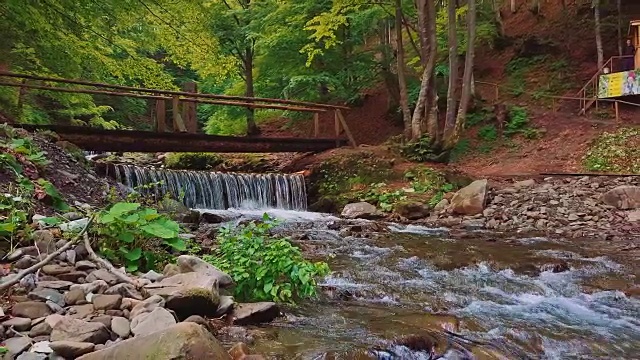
(192, 161)
(418, 151)
(488, 133)
(518, 123)
(265, 267)
(460, 149)
(440, 194)
(130, 234)
(478, 116)
(384, 199)
(617, 152)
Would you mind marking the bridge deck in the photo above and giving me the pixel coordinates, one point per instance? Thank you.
(94, 139)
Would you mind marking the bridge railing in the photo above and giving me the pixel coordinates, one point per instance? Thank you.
(183, 103)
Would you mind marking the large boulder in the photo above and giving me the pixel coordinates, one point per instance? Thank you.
(411, 210)
(187, 294)
(624, 197)
(361, 210)
(185, 341)
(255, 313)
(471, 199)
(189, 263)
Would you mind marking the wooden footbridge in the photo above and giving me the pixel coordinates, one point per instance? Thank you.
(179, 131)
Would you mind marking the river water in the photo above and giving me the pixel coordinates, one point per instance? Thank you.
(488, 297)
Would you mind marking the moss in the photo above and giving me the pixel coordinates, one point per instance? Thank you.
(617, 152)
(192, 161)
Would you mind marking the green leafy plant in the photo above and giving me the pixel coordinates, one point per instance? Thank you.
(265, 267)
(488, 133)
(384, 199)
(133, 235)
(419, 151)
(440, 194)
(617, 151)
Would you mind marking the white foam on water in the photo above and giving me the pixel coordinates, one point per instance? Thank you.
(417, 229)
(280, 214)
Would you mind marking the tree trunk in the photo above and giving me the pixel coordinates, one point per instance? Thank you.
(596, 15)
(467, 78)
(450, 120)
(252, 128)
(496, 4)
(426, 85)
(422, 31)
(620, 40)
(390, 79)
(402, 82)
(432, 124)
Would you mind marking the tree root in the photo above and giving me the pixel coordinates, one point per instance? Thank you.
(30, 270)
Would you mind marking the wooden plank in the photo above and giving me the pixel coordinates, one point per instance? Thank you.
(161, 113)
(189, 109)
(316, 125)
(336, 122)
(352, 140)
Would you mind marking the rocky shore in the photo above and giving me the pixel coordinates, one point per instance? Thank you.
(74, 307)
(586, 207)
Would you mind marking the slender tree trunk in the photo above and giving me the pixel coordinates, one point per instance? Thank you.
(432, 123)
(422, 31)
(496, 4)
(450, 121)
(619, 4)
(402, 82)
(596, 15)
(390, 79)
(467, 78)
(252, 128)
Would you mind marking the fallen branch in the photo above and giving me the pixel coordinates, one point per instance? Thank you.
(102, 263)
(20, 275)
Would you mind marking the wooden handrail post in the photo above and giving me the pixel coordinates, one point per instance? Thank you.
(189, 110)
(178, 124)
(160, 118)
(336, 123)
(316, 125)
(617, 112)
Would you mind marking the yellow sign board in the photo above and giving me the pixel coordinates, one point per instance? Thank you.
(619, 84)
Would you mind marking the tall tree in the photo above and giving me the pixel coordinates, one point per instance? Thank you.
(596, 15)
(402, 82)
(450, 120)
(620, 40)
(467, 78)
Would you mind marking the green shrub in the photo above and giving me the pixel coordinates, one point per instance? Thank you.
(265, 267)
(132, 235)
(488, 133)
(192, 161)
(384, 199)
(418, 151)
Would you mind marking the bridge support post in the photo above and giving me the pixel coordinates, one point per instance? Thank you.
(160, 120)
(316, 125)
(178, 124)
(340, 117)
(189, 109)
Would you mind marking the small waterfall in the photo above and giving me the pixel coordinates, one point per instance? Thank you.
(215, 190)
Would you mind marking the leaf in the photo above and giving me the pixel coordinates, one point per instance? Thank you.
(126, 237)
(176, 243)
(158, 230)
(133, 218)
(51, 221)
(123, 208)
(267, 287)
(132, 267)
(133, 255)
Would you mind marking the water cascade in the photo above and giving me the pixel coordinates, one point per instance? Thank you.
(215, 190)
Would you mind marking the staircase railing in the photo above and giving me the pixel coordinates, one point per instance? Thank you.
(589, 93)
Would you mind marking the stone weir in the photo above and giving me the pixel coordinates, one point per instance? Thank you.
(216, 190)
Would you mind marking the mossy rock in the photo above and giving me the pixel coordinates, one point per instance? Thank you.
(192, 161)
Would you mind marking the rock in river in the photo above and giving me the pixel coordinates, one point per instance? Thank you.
(361, 210)
(470, 200)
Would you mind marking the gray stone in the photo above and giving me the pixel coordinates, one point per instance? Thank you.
(103, 319)
(69, 329)
(189, 263)
(74, 297)
(73, 276)
(80, 311)
(125, 290)
(106, 302)
(42, 294)
(525, 184)
(96, 287)
(25, 262)
(18, 323)
(147, 306)
(193, 293)
(30, 309)
(31, 356)
(104, 275)
(56, 285)
(121, 327)
(255, 313)
(148, 323)
(17, 345)
(42, 347)
(623, 197)
(54, 307)
(41, 329)
(72, 216)
(152, 275)
(360, 210)
(72, 349)
(225, 306)
(85, 265)
(185, 341)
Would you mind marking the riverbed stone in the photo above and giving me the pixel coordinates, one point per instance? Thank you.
(30, 309)
(31, 356)
(18, 323)
(411, 210)
(55, 284)
(45, 241)
(190, 263)
(55, 270)
(43, 294)
(470, 200)
(125, 290)
(121, 327)
(360, 210)
(185, 341)
(17, 345)
(104, 275)
(71, 349)
(148, 323)
(625, 197)
(73, 276)
(96, 287)
(69, 329)
(187, 294)
(255, 313)
(106, 302)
